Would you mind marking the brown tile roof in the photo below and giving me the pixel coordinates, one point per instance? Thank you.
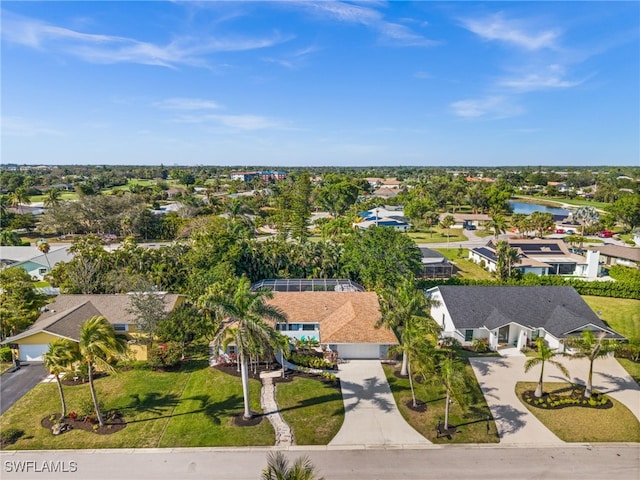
(344, 317)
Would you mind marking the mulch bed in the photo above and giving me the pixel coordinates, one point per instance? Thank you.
(419, 407)
(71, 382)
(570, 397)
(397, 374)
(114, 425)
(240, 421)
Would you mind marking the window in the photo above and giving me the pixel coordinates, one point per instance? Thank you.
(309, 327)
(121, 327)
(42, 271)
(468, 335)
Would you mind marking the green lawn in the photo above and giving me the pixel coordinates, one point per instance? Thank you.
(466, 268)
(471, 421)
(621, 314)
(313, 410)
(193, 406)
(577, 424)
(437, 235)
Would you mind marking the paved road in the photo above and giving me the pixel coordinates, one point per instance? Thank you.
(576, 462)
(371, 415)
(15, 384)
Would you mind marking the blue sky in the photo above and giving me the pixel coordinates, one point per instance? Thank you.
(321, 83)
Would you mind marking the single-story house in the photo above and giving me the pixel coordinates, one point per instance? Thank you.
(63, 317)
(464, 219)
(33, 261)
(381, 217)
(540, 257)
(435, 264)
(619, 255)
(343, 321)
(514, 316)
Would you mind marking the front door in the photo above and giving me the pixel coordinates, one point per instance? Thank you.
(503, 334)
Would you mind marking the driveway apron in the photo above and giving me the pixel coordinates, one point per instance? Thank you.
(371, 415)
(516, 425)
(13, 385)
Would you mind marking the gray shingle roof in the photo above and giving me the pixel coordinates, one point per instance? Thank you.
(559, 310)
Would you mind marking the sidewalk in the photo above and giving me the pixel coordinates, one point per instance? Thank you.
(371, 414)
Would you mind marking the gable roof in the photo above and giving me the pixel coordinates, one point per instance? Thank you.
(618, 251)
(343, 317)
(559, 310)
(66, 313)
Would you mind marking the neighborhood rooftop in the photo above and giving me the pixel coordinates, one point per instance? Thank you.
(307, 285)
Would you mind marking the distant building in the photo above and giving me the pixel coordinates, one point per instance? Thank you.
(435, 265)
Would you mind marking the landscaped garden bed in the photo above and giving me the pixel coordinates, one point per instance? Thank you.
(572, 396)
(614, 424)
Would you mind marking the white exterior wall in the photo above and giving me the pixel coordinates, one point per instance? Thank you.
(475, 258)
(440, 313)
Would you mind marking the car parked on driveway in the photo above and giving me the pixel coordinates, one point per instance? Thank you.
(605, 234)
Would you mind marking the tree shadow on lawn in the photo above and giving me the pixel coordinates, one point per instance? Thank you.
(310, 402)
(152, 402)
(214, 411)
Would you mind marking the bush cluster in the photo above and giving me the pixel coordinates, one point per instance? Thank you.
(167, 354)
(5, 354)
(553, 401)
(310, 361)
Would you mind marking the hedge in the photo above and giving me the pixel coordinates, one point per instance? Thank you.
(618, 289)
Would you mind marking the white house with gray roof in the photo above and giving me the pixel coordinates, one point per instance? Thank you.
(513, 316)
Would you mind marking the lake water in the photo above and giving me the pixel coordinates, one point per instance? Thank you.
(528, 208)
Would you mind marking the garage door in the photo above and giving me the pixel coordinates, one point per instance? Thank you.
(33, 353)
(359, 350)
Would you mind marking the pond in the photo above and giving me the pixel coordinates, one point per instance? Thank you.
(528, 208)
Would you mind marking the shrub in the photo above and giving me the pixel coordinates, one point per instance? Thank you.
(10, 435)
(480, 345)
(5, 354)
(167, 354)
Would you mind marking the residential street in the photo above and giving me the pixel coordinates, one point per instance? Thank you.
(583, 462)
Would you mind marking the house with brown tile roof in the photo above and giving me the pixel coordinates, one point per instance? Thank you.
(63, 317)
(342, 320)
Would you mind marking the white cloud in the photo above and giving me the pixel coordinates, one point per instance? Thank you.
(390, 32)
(515, 32)
(12, 126)
(107, 49)
(186, 104)
(490, 107)
(536, 81)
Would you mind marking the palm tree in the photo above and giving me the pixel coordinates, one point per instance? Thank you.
(98, 346)
(241, 313)
(62, 354)
(506, 258)
(545, 354)
(447, 222)
(402, 307)
(450, 373)
(586, 216)
(44, 247)
(52, 198)
(19, 197)
(498, 224)
(590, 346)
(279, 468)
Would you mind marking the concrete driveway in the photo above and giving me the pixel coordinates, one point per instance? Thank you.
(13, 385)
(371, 415)
(516, 425)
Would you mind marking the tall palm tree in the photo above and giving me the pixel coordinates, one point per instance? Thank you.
(506, 258)
(241, 313)
(450, 373)
(19, 197)
(62, 354)
(545, 355)
(98, 346)
(590, 346)
(52, 198)
(447, 222)
(402, 307)
(44, 247)
(498, 224)
(279, 468)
